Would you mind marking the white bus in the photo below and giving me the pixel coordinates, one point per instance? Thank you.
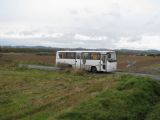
(88, 60)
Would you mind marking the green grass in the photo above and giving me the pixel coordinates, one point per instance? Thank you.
(155, 113)
(43, 95)
(132, 98)
(27, 94)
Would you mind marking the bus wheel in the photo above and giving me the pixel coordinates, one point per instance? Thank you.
(93, 69)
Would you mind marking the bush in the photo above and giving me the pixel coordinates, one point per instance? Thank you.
(64, 65)
(75, 71)
(131, 99)
(155, 113)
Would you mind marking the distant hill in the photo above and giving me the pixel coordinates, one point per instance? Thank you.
(35, 49)
(140, 52)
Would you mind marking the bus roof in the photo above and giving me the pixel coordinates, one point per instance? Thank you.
(81, 51)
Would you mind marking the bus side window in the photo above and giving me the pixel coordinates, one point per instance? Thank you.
(78, 55)
(84, 55)
(60, 55)
(103, 57)
(72, 55)
(109, 55)
(95, 56)
(89, 56)
(98, 56)
(64, 55)
(68, 55)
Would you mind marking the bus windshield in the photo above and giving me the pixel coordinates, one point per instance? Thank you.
(111, 57)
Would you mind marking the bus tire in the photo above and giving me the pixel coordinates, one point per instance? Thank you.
(93, 69)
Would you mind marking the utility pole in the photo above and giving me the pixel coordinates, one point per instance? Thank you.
(0, 47)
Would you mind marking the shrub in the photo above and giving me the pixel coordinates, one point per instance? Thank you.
(130, 99)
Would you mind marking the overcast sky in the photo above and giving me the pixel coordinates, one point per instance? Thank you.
(112, 24)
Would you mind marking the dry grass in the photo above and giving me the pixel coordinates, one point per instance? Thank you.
(144, 64)
(28, 58)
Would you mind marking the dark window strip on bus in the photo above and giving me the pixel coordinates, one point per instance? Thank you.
(72, 55)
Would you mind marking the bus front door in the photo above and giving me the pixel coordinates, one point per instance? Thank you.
(78, 60)
(103, 62)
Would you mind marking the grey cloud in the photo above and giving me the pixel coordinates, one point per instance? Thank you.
(116, 23)
(27, 33)
(88, 11)
(130, 38)
(74, 12)
(10, 33)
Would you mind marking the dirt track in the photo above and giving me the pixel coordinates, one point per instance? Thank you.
(154, 77)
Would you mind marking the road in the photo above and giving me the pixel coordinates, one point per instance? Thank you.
(154, 77)
(40, 67)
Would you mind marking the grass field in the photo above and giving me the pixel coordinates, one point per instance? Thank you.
(132, 98)
(75, 95)
(143, 64)
(27, 94)
(27, 58)
(41, 95)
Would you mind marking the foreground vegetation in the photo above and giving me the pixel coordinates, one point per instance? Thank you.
(40, 95)
(27, 94)
(132, 98)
